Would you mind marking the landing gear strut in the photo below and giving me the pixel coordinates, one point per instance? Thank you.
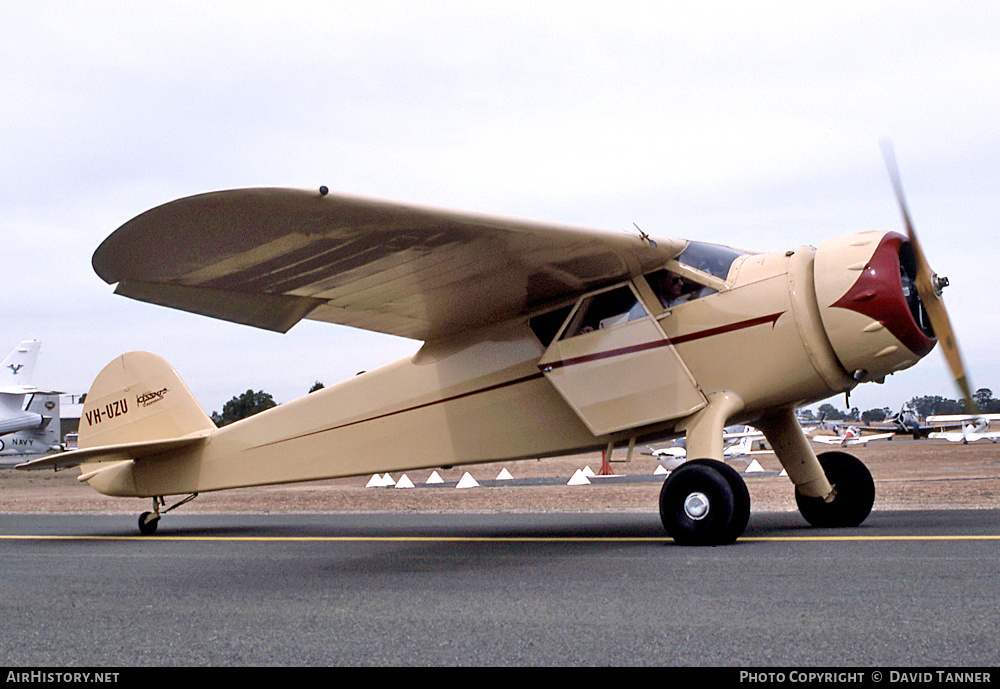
(853, 497)
(148, 521)
(704, 502)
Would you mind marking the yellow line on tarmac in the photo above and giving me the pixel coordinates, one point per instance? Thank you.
(483, 539)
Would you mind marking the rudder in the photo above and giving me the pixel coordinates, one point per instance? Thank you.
(139, 397)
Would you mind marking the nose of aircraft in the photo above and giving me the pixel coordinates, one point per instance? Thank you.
(870, 308)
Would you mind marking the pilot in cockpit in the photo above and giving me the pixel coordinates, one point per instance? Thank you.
(673, 289)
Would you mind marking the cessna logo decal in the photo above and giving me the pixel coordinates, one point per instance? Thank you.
(148, 398)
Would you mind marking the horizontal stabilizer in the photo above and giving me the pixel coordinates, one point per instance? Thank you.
(20, 391)
(114, 453)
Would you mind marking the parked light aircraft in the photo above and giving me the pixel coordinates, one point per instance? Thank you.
(850, 435)
(38, 439)
(909, 421)
(971, 428)
(736, 445)
(15, 388)
(539, 339)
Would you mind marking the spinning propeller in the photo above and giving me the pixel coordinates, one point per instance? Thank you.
(929, 286)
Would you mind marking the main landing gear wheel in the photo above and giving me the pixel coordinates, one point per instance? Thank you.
(854, 493)
(704, 502)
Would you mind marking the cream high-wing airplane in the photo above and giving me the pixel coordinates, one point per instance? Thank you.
(540, 339)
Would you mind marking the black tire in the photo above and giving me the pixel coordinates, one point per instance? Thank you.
(720, 493)
(855, 493)
(148, 523)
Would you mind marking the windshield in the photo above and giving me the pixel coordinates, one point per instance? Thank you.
(709, 258)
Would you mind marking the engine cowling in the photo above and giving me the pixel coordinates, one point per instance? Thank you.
(869, 306)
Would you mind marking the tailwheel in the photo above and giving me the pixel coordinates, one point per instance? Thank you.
(148, 521)
(704, 502)
(854, 493)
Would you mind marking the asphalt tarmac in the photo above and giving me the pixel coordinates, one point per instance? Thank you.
(907, 588)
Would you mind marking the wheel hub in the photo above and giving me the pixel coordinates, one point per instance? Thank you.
(696, 506)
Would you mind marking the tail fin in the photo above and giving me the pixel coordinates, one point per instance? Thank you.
(138, 398)
(20, 364)
(138, 407)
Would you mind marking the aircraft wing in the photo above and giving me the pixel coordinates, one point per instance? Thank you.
(270, 257)
(941, 420)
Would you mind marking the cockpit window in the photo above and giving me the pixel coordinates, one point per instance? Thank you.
(713, 259)
(672, 289)
(605, 310)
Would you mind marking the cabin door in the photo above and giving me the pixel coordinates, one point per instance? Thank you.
(614, 366)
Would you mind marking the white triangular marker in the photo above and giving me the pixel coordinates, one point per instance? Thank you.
(587, 471)
(754, 466)
(660, 469)
(387, 480)
(374, 482)
(404, 482)
(579, 479)
(783, 473)
(467, 481)
(504, 475)
(435, 477)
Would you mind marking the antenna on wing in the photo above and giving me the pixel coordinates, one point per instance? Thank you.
(645, 237)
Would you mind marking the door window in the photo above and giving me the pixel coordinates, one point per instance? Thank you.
(605, 310)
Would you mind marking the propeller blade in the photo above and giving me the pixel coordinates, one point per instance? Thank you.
(946, 336)
(929, 288)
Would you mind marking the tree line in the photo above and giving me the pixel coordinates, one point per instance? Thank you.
(249, 403)
(926, 405)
